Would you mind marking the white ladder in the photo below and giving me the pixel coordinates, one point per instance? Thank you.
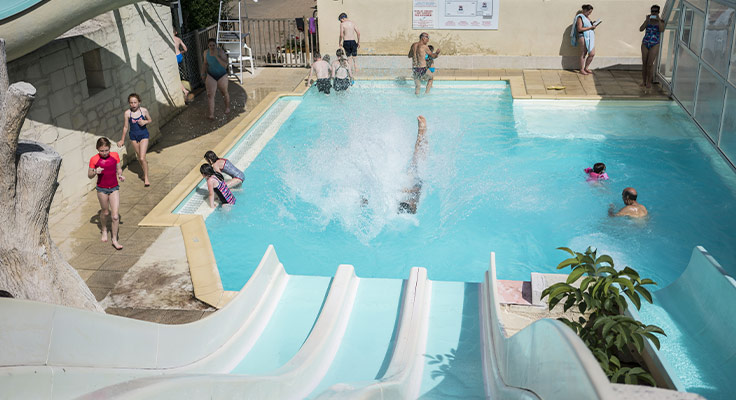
(232, 39)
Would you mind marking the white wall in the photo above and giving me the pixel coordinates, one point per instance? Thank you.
(537, 28)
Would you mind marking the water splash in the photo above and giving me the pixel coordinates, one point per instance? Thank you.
(354, 178)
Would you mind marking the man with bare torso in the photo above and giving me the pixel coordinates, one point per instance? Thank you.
(323, 71)
(632, 208)
(349, 40)
(418, 54)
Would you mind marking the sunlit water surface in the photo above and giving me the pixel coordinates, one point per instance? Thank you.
(498, 176)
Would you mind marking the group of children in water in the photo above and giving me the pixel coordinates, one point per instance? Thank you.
(107, 168)
(336, 75)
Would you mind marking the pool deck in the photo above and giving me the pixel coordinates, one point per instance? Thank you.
(149, 279)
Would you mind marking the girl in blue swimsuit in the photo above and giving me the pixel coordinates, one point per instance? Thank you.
(215, 75)
(652, 28)
(136, 123)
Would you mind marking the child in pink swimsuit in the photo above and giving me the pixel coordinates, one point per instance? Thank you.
(597, 173)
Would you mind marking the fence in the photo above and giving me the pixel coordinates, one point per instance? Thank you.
(280, 42)
(275, 42)
(190, 68)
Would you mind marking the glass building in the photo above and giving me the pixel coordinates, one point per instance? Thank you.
(698, 63)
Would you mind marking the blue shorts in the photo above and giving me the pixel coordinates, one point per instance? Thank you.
(138, 136)
(179, 58)
(107, 190)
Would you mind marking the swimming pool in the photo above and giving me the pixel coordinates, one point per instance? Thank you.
(500, 176)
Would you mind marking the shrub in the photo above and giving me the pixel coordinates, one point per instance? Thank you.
(615, 340)
(199, 14)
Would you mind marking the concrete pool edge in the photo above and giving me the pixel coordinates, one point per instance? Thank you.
(200, 256)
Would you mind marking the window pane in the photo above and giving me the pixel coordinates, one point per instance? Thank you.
(687, 26)
(696, 35)
(692, 30)
(710, 103)
(674, 18)
(728, 134)
(698, 3)
(667, 55)
(732, 72)
(687, 68)
(718, 36)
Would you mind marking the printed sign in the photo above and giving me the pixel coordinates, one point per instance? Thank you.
(455, 14)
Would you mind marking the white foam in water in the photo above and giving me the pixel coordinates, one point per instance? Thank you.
(355, 179)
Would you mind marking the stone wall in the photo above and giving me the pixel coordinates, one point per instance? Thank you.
(83, 80)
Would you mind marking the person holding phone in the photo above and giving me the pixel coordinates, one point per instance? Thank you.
(583, 35)
(652, 28)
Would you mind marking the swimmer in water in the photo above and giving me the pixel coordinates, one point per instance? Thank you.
(216, 185)
(409, 204)
(632, 208)
(222, 165)
(597, 173)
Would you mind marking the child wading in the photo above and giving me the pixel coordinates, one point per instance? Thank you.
(216, 185)
(342, 78)
(223, 165)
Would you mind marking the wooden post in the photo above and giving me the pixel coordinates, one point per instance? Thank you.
(31, 266)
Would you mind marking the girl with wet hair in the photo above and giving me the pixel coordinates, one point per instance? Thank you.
(216, 185)
(223, 165)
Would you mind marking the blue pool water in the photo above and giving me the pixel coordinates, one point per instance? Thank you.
(499, 176)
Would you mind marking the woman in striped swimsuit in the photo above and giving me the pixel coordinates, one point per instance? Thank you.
(216, 185)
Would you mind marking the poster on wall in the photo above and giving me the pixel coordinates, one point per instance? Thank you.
(455, 14)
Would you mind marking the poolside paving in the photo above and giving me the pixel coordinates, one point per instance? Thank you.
(148, 279)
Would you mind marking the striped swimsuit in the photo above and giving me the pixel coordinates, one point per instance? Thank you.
(223, 192)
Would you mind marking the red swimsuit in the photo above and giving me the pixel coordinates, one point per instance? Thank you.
(108, 179)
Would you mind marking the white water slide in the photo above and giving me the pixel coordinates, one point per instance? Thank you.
(27, 25)
(291, 337)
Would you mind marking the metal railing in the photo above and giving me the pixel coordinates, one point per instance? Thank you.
(191, 67)
(278, 42)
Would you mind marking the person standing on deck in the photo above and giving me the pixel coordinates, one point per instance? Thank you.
(214, 75)
(654, 26)
(583, 35)
(349, 40)
(420, 71)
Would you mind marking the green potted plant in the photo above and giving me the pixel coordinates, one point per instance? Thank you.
(616, 340)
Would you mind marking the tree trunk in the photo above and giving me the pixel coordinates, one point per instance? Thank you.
(31, 266)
